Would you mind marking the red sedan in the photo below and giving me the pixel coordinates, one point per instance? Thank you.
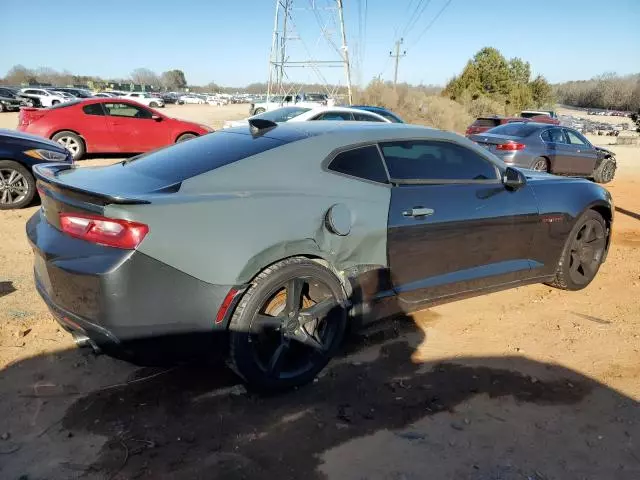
(107, 125)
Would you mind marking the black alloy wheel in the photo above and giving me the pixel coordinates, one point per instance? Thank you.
(288, 325)
(587, 251)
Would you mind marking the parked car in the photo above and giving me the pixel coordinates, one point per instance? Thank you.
(105, 95)
(549, 148)
(310, 100)
(305, 114)
(537, 113)
(9, 100)
(177, 249)
(380, 111)
(76, 92)
(41, 97)
(66, 95)
(145, 98)
(19, 152)
(107, 125)
(192, 99)
(482, 124)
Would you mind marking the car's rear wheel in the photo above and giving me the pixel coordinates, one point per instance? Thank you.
(258, 110)
(30, 102)
(185, 136)
(540, 164)
(72, 142)
(1, 107)
(55, 102)
(153, 105)
(583, 253)
(17, 185)
(288, 325)
(605, 172)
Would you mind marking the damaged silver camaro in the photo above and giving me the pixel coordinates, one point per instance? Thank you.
(265, 243)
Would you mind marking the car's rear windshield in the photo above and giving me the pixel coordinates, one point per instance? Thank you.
(514, 129)
(486, 122)
(194, 157)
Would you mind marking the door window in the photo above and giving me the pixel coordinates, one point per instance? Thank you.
(434, 161)
(553, 135)
(126, 110)
(334, 116)
(576, 139)
(364, 162)
(93, 109)
(364, 117)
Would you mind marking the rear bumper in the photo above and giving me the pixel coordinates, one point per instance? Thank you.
(125, 301)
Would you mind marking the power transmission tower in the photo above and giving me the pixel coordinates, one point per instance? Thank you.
(397, 57)
(284, 57)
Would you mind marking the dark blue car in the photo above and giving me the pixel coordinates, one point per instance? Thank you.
(19, 152)
(380, 111)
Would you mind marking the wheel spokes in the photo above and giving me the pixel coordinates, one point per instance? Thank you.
(262, 321)
(5, 197)
(318, 311)
(294, 296)
(277, 359)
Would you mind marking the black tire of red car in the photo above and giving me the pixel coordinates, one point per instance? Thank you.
(583, 252)
(275, 352)
(10, 165)
(76, 153)
(153, 105)
(185, 136)
(605, 171)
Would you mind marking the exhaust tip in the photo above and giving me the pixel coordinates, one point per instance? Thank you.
(82, 341)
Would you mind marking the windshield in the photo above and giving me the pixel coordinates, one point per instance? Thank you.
(282, 114)
(514, 129)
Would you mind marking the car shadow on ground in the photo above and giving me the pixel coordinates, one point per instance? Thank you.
(501, 418)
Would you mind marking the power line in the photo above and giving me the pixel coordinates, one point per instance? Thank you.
(407, 10)
(431, 23)
(414, 21)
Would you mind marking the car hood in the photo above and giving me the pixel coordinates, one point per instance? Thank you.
(29, 140)
(603, 150)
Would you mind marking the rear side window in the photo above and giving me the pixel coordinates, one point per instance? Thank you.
(93, 109)
(515, 129)
(435, 161)
(334, 116)
(364, 117)
(362, 162)
(199, 155)
(486, 122)
(553, 135)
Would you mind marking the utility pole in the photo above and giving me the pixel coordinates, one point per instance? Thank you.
(291, 52)
(397, 56)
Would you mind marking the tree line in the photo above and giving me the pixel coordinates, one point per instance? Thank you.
(607, 91)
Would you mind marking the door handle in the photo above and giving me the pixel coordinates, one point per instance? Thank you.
(419, 212)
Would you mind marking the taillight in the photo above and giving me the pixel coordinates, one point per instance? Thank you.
(104, 231)
(510, 146)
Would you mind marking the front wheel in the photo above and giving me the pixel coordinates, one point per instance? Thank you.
(17, 185)
(55, 102)
(258, 111)
(288, 325)
(583, 252)
(153, 105)
(605, 172)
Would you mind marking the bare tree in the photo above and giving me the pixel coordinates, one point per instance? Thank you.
(145, 76)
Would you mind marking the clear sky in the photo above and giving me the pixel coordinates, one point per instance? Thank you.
(228, 41)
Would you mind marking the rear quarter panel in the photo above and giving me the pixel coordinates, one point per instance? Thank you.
(224, 226)
(561, 201)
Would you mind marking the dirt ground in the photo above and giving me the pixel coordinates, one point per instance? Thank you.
(532, 383)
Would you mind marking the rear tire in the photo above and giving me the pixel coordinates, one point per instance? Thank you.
(583, 252)
(540, 164)
(258, 111)
(153, 105)
(55, 102)
(20, 192)
(278, 341)
(185, 136)
(72, 142)
(1, 108)
(605, 172)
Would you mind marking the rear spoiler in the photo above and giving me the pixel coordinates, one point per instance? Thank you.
(46, 176)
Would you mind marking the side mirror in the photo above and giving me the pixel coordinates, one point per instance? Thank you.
(156, 118)
(513, 179)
